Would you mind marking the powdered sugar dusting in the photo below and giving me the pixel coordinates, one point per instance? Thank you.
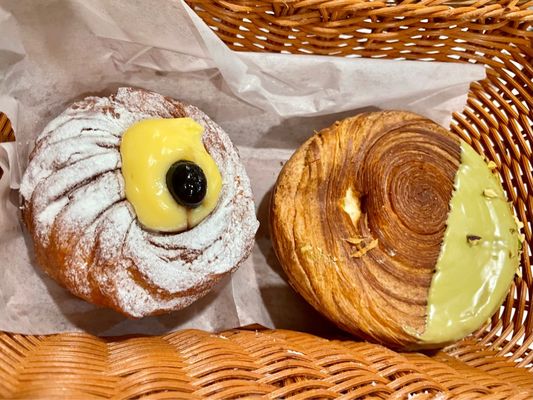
(73, 188)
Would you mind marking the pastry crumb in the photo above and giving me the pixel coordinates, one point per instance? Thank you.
(362, 251)
(354, 240)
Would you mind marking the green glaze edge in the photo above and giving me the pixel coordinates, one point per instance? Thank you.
(472, 275)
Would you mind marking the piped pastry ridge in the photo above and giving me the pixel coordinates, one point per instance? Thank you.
(86, 233)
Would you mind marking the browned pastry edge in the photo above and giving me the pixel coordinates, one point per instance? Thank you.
(370, 277)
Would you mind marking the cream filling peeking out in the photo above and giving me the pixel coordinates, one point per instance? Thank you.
(479, 254)
(148, 149)
(351, 206)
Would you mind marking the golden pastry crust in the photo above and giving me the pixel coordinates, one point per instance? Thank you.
(358, 215)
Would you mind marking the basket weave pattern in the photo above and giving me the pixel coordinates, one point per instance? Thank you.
(494, 363)
(278, 364)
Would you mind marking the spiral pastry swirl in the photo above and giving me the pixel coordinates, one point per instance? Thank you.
(85, 231)
(358, 217)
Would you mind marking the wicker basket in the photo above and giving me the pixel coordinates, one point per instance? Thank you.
(494, 363)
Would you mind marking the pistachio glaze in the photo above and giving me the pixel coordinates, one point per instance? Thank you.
(479, 254)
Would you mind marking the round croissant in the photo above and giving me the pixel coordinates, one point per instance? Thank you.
(358, 216)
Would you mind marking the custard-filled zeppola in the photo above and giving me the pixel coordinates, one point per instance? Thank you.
(137, 202)
(395, 229)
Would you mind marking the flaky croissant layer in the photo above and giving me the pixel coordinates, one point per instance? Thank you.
(358, 218)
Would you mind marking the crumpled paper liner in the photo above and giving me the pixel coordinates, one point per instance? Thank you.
(54, 53)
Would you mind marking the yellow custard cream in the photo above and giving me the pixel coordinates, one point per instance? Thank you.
(148, 150)
(479, 255)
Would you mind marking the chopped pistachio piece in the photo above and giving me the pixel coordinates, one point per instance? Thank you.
(473, 240)
(306, 248)
(490, 193)
(519, 223)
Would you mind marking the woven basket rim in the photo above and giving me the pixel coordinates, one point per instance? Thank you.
(465, 10)
(494, 363)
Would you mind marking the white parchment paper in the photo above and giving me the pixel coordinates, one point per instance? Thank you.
(55, 52)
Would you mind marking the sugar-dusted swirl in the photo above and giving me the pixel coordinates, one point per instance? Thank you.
(85, 232)
(358, 219)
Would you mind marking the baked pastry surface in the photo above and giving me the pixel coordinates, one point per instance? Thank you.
(358, 220)
(86, 235)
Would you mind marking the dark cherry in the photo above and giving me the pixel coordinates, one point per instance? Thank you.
(187, 183)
